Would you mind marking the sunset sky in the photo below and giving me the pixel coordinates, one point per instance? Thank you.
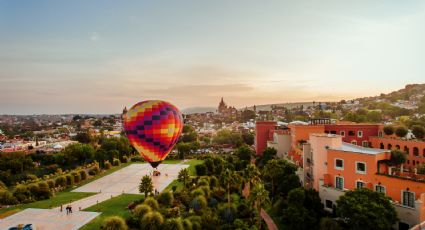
(99, 56)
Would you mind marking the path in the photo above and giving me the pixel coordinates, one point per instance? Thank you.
(125, 180)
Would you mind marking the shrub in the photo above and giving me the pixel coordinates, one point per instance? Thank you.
(116, 162)
(83, 174)
(33, 188)
(198, 203)
(114, 223)
(213, 182)
(43, 191)
(196, 222)
(201, 170)
(203, 182)
(173, 224)
(152, 221)
(401, 131)
(389, 130)
(69, 180)
(187, 224)
(140, 210)
(7, 198)
(197, 192)
(77, 177)
(51, 183)
(94, 170)
(22, 193)
(2, 185)
(137, 159)
(124, 159)
(151, 202)
(166, 198)
(418, 131)
(206, 189)
(60, 181)
(107, 165)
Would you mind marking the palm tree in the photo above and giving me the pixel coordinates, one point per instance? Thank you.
(272, 170)
(146, 185)
(184, 177)
(251, 174)
(230, 178)
(258, 198)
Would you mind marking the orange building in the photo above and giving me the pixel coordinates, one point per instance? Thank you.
(348, 167)
(414, 149)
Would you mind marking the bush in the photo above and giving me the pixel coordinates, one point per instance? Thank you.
(198, 203)
(94, 170)
(166, 198)
(151, 202)
(213, 182)
(22, 193)
(60, 181)
(51, 184)
(76, 177)
(201, 170)
(69, 180)
(389, 130)
(7, 198)
(203, 182)
(137, 159)
(116, 162)
(114, 223)
(140, 210)
(152, 221)
(206, 189)
(197, 192)
(401, 131)
(173, 224)
(124, 159)
(83, 174)
(418, 131)
(43, 191)
(2, 185)
(107, 165)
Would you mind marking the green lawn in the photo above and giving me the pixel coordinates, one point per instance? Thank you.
(116, 206)
(57, 200)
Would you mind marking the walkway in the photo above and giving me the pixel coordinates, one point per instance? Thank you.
(125, 180)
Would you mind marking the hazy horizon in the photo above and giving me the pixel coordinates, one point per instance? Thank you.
(95, 57)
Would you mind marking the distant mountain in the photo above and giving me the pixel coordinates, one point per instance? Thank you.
(193, 110)
(268, 107)
(410, 92)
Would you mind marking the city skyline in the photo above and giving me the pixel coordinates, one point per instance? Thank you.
(99, 56)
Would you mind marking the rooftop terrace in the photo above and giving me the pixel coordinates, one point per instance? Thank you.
(346, 147)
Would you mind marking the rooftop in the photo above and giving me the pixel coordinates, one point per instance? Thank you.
(346, 147)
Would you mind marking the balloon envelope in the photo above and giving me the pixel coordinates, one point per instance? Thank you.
(153, 128)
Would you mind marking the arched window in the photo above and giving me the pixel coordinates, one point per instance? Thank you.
(415, 151)
(351, 133)
(406, 150)
(397, 147)
(390, 146)
(383, 147)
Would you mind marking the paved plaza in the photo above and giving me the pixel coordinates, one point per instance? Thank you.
(125, 180)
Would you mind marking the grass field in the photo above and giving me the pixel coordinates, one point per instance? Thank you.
(57, 200)
(116, 206)
(62, 197)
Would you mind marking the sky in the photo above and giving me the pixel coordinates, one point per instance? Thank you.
(98, 56)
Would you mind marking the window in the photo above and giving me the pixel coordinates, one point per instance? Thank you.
(380, 188)
(329, 204)
(333, 132)
(390, 146)
(351, 133)
(354, 142)
(360, 184)
(342, 133)
(381, 146)
(365, 144)
(339, 164)
(339, 182)
(409, 199)
(360, 133)
(397, 147)
(416, 151)
(361, 167)
(406, 150)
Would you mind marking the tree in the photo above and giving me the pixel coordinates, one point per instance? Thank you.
(258, 198)
(248, 138)
(152, 221)
(244, 153)
(146, 185)
(418, 131)
(366, 209)
(183, 149)
(84, 137)
(184, 177)
(114, 223)
(229, 177)
(397, 157)
(140, 210)
(251, 174)
(327, 223)
(401, 131)
(374, 116)
(272, 170)
(226, 136)
(388, 130)
(268, 154)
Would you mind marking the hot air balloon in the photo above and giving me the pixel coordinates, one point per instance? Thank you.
(153, 128)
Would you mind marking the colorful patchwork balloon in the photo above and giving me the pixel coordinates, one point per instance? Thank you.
(153, 128)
